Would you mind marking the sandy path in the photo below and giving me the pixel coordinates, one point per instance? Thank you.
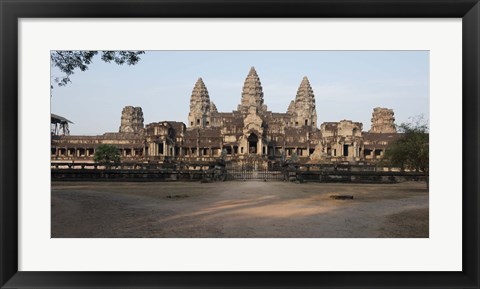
(238, 209)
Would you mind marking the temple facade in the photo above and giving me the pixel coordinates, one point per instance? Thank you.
(250, 131)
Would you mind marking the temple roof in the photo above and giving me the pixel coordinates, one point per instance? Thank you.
(374, 137)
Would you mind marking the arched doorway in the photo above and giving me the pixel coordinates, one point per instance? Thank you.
(252, 143)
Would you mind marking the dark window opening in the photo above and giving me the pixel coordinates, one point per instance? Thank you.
(160, 148)
(271, 151)
(252, 143)
(345, 150)
(306, 122)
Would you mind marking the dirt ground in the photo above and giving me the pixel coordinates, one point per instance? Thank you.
(238, 209)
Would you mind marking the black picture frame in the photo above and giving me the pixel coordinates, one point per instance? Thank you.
(11, 11)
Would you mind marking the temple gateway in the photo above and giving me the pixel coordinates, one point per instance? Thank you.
(250, 131)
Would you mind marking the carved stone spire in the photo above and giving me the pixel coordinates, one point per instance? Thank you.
(291, 108)
(305, 113)
(305, 91)
(213, 107)
(132, 119)
(383, 121)
(200, 106)
(252, 93)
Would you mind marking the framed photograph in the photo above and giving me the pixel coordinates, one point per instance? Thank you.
(227, 144)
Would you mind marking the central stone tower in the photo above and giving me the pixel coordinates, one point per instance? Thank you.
(252, 93)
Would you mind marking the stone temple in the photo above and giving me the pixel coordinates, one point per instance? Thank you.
(250, 131)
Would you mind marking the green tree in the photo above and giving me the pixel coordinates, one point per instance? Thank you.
(411, 151)
(294, 158)
(68, 61)
(107, 155)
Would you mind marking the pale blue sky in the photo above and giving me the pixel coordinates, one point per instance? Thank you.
(347, 85)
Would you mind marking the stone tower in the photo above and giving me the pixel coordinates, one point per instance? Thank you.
(383, 121)
(200, 106)
(213, 107)
(303, 109)
(252, 93)
(132, 119)
(291, 108)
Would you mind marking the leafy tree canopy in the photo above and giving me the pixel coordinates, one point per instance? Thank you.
(107, 155)
(411, 151)
(68, 61)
